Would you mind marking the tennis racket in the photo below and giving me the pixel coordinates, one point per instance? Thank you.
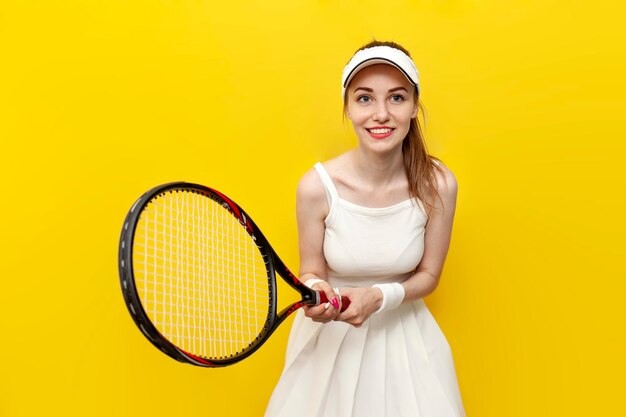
(199, 277)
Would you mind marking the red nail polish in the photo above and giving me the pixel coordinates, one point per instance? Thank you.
(335, 302)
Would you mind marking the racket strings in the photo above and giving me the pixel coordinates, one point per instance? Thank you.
(200, 276)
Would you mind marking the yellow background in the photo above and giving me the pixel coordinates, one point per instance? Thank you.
(101, 100)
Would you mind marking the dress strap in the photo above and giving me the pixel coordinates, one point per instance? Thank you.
(331, 191)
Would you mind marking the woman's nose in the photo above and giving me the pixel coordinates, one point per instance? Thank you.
(381, 113)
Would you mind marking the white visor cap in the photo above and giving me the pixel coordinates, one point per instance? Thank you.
(379, 55)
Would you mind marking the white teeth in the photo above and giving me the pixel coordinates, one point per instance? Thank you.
(379, 131)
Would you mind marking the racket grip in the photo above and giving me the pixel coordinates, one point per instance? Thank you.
(345, 301)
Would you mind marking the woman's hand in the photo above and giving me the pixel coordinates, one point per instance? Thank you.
(323, 313)
(363, 303)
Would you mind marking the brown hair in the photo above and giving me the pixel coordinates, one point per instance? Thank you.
(419, 165)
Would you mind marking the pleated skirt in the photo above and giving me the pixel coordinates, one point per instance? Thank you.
(398, 363)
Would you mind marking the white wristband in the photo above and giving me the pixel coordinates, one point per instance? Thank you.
(311, 282)
(393, 295)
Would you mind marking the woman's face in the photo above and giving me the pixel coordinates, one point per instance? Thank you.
(380, 104)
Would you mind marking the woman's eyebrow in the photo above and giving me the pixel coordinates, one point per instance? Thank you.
(369, 90)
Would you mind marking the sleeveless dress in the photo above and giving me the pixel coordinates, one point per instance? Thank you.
(398, 363)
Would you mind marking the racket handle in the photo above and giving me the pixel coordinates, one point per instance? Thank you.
(345, 301)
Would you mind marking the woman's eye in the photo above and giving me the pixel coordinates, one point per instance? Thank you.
(363, 99)
(397, 98)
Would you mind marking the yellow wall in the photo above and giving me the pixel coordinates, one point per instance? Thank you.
(101, 100)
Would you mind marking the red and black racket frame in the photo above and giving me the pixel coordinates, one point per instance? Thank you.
(273, 264)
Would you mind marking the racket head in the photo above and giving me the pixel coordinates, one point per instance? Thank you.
(176, 267)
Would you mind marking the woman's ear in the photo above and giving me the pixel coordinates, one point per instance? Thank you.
(415, 109)
(348, 114)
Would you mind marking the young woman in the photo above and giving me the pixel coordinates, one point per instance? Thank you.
(374, 226)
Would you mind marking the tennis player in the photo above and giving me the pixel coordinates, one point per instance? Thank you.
(374, 224)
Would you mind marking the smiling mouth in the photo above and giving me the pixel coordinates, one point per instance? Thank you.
(379, 131)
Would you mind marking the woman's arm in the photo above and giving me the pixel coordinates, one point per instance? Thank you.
(436, 240)
(311, 210)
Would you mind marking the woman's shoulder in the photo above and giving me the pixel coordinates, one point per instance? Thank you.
(446, 180)
(339, 168)
(310, 188)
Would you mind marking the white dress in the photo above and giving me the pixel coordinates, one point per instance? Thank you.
(398, 363)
